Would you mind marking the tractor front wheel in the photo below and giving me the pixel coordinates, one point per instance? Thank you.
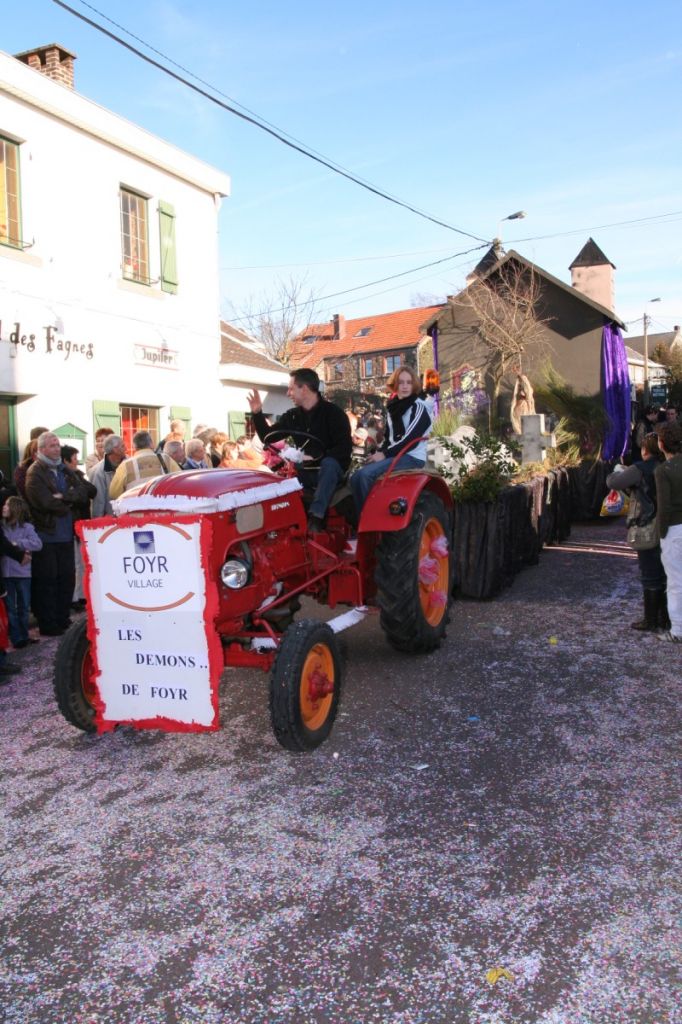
(414, 578)
(305, 686)
(73, 678)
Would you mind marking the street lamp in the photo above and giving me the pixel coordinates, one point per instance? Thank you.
(519, 215)
(645, 322)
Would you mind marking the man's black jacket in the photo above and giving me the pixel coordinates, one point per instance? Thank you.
(325, 421)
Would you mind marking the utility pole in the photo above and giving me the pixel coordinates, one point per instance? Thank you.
(645, 322)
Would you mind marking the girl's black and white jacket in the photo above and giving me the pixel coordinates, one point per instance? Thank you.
(417, 422)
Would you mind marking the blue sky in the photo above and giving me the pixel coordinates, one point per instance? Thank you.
(468, 111)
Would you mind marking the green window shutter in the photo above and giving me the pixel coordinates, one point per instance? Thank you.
(169, 263)
(182, 412)
(107, 414)
(236, 424)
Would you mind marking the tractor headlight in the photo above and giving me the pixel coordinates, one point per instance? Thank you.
(235, 574)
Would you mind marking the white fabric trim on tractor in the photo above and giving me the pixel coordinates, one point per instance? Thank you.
(191, 505)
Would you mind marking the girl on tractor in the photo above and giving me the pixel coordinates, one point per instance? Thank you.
(408, 417)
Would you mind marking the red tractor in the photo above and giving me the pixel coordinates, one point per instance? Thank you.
(253, 561)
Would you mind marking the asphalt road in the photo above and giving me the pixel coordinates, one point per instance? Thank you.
(508, 802)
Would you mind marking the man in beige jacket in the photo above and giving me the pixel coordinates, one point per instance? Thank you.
(143, 464)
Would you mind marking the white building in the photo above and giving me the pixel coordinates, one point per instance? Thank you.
(657, 372)
(109, 291)
(244, 364)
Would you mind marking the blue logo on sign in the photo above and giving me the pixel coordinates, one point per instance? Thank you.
(144, 542)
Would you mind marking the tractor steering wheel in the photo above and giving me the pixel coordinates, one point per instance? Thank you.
(274, 435)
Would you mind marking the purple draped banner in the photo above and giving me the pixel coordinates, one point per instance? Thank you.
(616, 392)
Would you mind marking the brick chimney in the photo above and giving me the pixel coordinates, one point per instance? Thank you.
(52, 60)
(339, 327)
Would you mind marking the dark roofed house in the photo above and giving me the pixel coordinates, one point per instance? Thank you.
(359, 355)
(571, 324)
(671, 339)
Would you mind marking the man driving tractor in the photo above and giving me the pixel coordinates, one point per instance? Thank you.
(328, 437)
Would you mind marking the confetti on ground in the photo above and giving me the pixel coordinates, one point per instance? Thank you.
(216, 879)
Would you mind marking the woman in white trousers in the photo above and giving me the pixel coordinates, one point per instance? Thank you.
(668, 478)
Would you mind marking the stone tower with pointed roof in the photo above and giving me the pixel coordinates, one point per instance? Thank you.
(592, 274)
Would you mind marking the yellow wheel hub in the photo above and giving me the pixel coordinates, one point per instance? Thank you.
(317, 687)
(433, 595)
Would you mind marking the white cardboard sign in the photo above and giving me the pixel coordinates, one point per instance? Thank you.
(156, 660)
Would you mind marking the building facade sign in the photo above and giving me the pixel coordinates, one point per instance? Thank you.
(44, 341)
(156, 355)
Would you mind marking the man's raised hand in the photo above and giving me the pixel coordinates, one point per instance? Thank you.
(254, 400)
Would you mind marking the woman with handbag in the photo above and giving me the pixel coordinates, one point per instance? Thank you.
(638, 480)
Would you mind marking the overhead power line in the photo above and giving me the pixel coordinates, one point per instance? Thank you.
(597, 227)
(423, 252)
(259, 122)
(329, 263)
(369, 284)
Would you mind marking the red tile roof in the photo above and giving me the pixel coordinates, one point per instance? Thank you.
(389, 331)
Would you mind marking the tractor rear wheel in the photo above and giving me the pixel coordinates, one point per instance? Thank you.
(305, 685)
(73, 678)
(414, 578)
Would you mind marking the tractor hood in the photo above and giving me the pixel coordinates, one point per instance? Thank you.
(204, 490)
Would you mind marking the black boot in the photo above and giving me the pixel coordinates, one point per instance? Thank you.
(663, 618)
(649, 623)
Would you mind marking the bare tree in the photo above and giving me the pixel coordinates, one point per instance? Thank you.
(671, 358)
(418, 299)
(505, 309)
(278, 317)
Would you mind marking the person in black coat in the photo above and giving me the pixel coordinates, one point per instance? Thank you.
(640, 476)
(326, 457)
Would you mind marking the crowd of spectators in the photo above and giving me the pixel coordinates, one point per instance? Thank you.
(41, 574)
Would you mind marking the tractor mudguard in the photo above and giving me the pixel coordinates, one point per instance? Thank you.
(399, 491)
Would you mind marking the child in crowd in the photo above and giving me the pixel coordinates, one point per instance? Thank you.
(231, 457)
(19, 531)
(248, 452)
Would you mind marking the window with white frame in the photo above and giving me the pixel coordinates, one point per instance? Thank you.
(391, 363)
(10, 206)
(134, 237)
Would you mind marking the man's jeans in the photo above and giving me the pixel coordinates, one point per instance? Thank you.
(324, 481)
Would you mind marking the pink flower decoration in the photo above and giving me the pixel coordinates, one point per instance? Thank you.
(439, 547)
(438, 598)
(428, 570)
